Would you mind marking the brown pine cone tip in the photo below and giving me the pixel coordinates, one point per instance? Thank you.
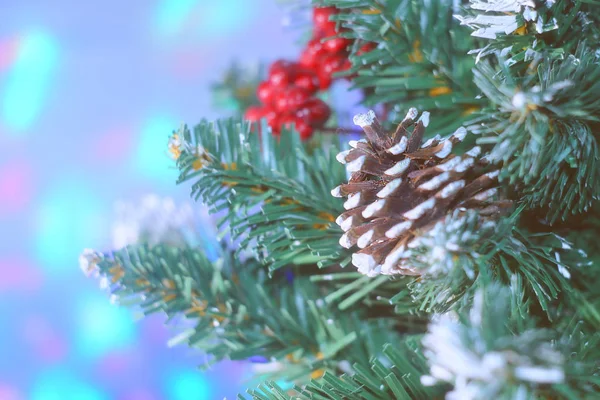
(399, 188)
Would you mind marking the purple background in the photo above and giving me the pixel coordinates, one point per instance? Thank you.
(89, 92)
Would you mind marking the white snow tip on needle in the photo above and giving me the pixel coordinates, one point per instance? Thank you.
(365, 119)
(519, 100)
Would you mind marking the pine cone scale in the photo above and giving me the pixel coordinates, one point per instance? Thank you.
(399, 168)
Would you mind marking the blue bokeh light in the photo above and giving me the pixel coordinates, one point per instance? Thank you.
(187, 385)
(226, 16)
(152, 160)
(102, 327)
(60, 384)
(29, 80)
(70, 217)
(172, 14)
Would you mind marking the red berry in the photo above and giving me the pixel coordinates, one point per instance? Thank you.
(281, 103)
(290, 98)
(287, 118)
(321, 19)
(337, 45)
(308, 81)
(326, 71)
(255, 113)
(271, 116)
(282, 65)
(280, 78)
(313, 52)
(304, 129)
(282, 72)
(365, 48)
(346, 66)
(315, 111)
(331, 65)
(324, 81)
(301, 126)
(274, 121)
(265, 92)
(334, 64)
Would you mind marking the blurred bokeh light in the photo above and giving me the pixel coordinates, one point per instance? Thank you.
(89, 92)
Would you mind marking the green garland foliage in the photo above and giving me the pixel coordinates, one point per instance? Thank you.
(257, 197)
(239, 313)
(394, 375)
(538, 262)
(544, 128)
(521, 29)
(496, 349)
(490, 349)
(274, 193)
(540, 76)
(420, 60)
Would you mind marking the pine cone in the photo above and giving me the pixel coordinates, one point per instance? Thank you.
(399, 189)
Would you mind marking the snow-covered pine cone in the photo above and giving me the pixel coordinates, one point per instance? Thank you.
(399, 189)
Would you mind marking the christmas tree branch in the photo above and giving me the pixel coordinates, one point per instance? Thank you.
(274, 194)
(543, 130)
(545, 267)
(520, 29)
(493, 351)
(236, 312)
(393, 375)
(420, 59)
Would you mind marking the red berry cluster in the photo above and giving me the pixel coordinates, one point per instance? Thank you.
(329, 57)
(288, 95)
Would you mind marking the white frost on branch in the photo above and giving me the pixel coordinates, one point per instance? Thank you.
(500, 17)
(480, 367)
(153, 220)
(450, 244)
(502, 5)
(88, 261)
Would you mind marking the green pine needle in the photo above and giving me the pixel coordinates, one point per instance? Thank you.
(396, 374)
(273, 194)
(234, 311)
(420, 60)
